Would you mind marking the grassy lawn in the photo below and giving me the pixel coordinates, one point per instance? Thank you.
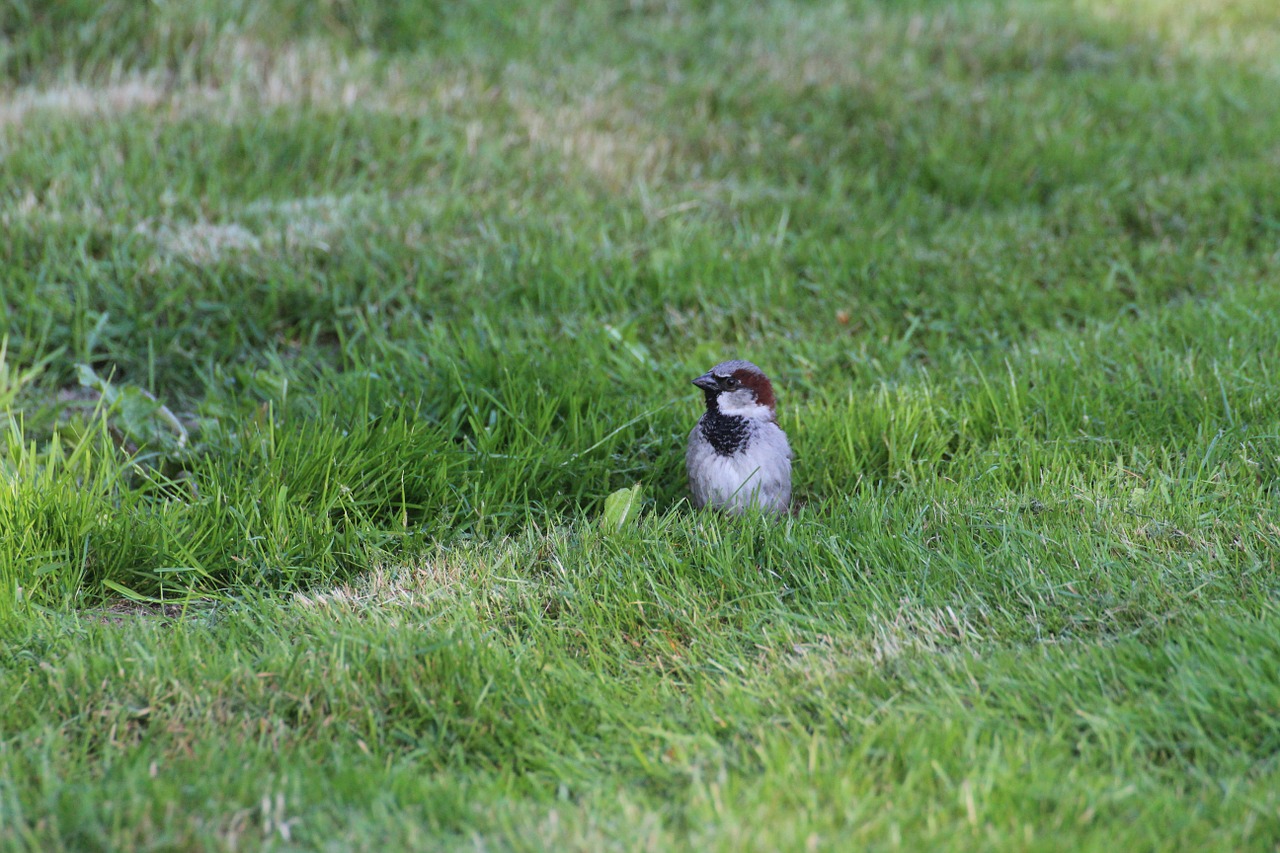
(328, 328)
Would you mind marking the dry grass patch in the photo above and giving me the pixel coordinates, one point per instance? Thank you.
(911, 630)
(251, 74)
(602, 133)
(416, 585)
(201, 243)
(421, 583)
(1244, 31)
(825, 47)
(246, 77)
(315, 222)
(77, 98)
(281, 228)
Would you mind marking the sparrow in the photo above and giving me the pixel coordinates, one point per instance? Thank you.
(738, 457)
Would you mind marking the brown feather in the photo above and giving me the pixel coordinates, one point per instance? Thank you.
(759, 383)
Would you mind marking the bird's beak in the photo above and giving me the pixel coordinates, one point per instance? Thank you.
(707, 382)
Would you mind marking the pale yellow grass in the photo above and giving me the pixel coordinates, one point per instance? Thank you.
(909, 630)
(1244, 31)
(282, 227)
(77, 98)
(422, 582)
(247, 77)
(599, 130)
(201, 242)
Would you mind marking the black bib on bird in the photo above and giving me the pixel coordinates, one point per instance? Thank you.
(727, 433)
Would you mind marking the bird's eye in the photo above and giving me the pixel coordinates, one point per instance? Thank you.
(732, 382)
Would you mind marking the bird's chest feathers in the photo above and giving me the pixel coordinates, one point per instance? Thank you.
(738, 456)
(727, 434)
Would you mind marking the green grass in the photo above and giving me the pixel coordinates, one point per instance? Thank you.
(328, 328)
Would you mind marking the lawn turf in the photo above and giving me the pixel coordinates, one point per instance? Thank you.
(328, 328)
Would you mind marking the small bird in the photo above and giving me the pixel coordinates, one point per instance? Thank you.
(738, 457)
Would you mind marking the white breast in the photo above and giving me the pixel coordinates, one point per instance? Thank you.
(758, 475)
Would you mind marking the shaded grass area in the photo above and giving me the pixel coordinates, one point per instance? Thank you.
(328, 328)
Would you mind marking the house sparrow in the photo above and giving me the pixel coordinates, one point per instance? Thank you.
(737, 456)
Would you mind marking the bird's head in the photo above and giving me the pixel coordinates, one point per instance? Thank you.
(738, 388)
